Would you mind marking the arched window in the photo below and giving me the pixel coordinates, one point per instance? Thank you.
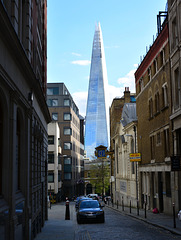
(157, 102)
(150, 108)
(165, 95)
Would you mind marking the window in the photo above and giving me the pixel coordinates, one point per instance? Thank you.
(67, 131)
(166, 143)
(67, 160)
(157, 103)
(67, 168)
(168, 184)
(165, 95)
(149, 74)
(59, 158)
(162, 57)
(158, 138)
(18, 151)
(174, 34)
(141, 84)
(59, 176)
(155, 67)
(151, 108)
(176, 88)
(52, 102)
(50, 177)
(152, 146)
(117, 159)
(67, 176)
(50, 157)
(50, 140)
(67, 146)
(66, 92)
(67, 116)
(53, 91)
(55, 116)
(66, 102)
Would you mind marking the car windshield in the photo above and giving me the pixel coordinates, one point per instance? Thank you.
(89, 204)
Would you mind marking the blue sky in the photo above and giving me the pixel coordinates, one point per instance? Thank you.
(127, 28)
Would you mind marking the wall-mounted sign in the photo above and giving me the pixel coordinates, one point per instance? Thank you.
(175, 163)
(101, 153)
(135, 157)
(123, 186)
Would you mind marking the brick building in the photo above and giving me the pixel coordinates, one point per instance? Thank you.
(154, 129)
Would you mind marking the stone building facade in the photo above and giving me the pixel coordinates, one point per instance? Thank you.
(115, 118)
(154, 128)
(54, 162)
(23, 119)
(126, 172)
(174, 16)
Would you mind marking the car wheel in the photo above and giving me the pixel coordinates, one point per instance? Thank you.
(103, 220)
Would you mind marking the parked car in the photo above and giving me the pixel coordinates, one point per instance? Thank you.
(93, 196)
(79, 199)
(90, 210)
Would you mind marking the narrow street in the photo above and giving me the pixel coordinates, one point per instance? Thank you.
(116, 226)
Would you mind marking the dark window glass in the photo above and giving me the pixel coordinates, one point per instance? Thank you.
(50, 158)
(50, 177)
(50, 139)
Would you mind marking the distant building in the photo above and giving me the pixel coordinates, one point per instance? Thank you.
(23, 119)
(96, 125)
(64, 111)
(54, 162)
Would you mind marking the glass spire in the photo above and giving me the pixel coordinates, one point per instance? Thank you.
(96, 127)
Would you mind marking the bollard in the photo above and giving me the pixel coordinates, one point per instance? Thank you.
(122, 204)
(137, 208)
(67, 211)
(50, 200)
(117, 204)
(145, 209)
(130, 206)
(174, 222)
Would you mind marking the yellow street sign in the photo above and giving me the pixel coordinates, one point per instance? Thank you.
(135, 157)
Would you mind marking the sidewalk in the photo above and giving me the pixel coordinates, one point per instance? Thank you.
(160, 219)
(57, 227)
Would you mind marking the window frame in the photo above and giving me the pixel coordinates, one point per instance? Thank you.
(53, 115)
(52, 140)
(66, 114)
(69, 148)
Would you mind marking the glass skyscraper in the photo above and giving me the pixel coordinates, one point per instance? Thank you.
(96, 126)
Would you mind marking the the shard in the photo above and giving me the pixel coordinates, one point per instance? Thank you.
(96, 126)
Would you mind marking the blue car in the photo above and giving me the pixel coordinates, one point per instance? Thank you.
(90, 210)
